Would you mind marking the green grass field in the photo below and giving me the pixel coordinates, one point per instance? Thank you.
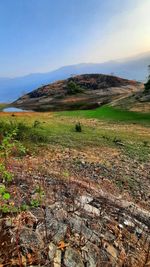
(111, 114)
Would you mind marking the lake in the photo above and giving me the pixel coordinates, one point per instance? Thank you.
(11, 109)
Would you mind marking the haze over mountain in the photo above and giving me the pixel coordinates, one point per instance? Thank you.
(134, 68)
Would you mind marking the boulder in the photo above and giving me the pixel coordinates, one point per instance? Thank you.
(73, 258)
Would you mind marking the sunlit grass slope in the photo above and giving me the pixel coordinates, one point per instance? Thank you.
(110, 114)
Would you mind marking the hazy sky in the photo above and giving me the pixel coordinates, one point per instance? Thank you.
(41, 35)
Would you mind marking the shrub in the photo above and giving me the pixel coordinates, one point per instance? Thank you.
(23, 132)
(73, 88)
(5, 175)
(147, 84)
(78, 127)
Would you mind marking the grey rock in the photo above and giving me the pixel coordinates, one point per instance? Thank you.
(52, 251)
(59, 231)
(75, 223)
(90, 235)
(91, 255)
(85, 199)
(90, 209)
(129, 223)
(30, 239)
(73, 258)
(57, 259)
(78, 226)
(55, 230)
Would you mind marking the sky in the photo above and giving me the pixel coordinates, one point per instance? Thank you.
(42, 35)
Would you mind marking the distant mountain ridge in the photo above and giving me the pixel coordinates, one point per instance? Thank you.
(134, 68)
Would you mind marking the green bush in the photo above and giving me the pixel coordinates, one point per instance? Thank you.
(147, 84)
(78, 127)
(23, 132)
(73, 88)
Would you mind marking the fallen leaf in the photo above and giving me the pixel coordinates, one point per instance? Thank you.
(62, 245)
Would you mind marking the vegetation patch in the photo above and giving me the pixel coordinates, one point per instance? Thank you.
(73, 88)
(38, 129)
(111, 114)
(147, 84)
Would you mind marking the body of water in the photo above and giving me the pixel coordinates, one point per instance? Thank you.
(11, 109)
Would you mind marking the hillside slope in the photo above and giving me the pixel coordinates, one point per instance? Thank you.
(93, 90)
(139, 102)
(134, 68)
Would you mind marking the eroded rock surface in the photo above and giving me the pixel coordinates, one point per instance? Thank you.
(71, 235)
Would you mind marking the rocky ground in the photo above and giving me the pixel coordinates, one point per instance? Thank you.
(92, 211)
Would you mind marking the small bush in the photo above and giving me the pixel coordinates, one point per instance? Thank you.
(145, 143)
(147, 84)
(147, 87)
(78, 127)
(23, 132)
(73, 88)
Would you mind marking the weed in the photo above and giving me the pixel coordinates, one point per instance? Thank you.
(5, 175)
(78, 127)
(145, 143)
(36, 124)
(8, 143)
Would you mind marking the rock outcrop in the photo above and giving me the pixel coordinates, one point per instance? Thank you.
(85, 231)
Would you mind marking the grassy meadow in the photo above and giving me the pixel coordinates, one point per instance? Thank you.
(109, 113)
(103, 127)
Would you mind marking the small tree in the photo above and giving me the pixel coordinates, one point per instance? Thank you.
(73, 88)
(147, 84)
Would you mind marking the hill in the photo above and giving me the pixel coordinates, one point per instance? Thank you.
(134, 68)
(80, 92)
(139, 102)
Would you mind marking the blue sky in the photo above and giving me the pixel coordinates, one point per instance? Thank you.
(41, 35)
